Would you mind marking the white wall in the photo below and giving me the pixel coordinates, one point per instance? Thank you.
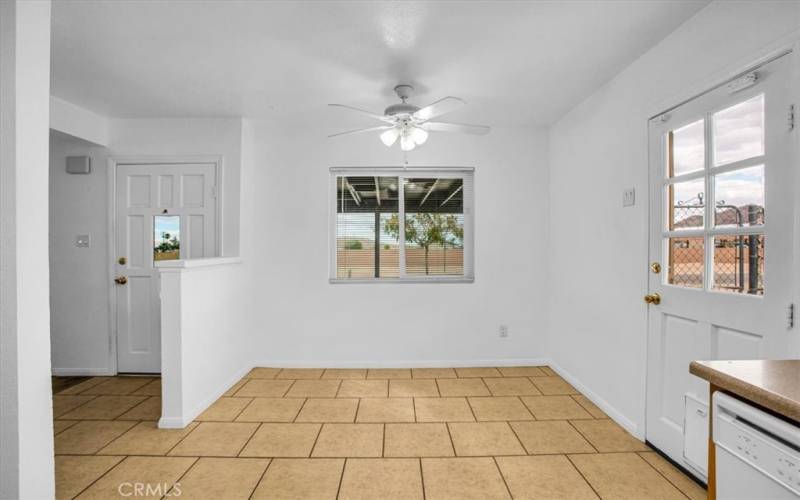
(78, 122)
(302, 319)
(79, 318)
(598, 250)
(26, 426)
(80, 322)
(206, 335)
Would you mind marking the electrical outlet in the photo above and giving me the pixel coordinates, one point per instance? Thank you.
(503, 331)
(629, 197)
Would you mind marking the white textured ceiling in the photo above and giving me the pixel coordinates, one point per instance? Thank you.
(516, 63)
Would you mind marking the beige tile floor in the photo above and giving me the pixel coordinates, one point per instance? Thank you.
(428, 433)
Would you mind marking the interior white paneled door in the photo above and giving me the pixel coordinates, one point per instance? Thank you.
(721, 229)
(146, 194)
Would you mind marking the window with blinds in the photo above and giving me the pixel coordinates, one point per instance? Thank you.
(434, 241)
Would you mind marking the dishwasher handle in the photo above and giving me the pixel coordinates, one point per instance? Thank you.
(731, 409)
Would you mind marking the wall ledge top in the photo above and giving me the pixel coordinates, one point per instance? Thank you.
(180, 265)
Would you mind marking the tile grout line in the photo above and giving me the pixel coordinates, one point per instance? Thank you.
(261, 478)
(341, 479)
(184, 437)
(177, 481)
(580, 472)
(61, 415)
(316, 438)
(249, 438)
(519, 398)
(288, 388)
(452, 443)
(422, 478)
(135, 424)
(338, 388)
(583, 436)
(242, 410)
(288, 457)
(502, 476)
(294, 420)
(124, 457)
(514, 431)
(639, 454)
(252, 400)
(475, 417)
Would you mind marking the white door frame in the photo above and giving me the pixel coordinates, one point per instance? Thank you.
(112, 164)
(789, 46)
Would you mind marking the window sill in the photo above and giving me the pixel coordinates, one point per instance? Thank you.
(376, 281)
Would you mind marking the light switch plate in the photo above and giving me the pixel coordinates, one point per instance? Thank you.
(82, 240)
(629, 197)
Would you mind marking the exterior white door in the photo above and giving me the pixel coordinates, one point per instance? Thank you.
(163, 212)
(721, 230)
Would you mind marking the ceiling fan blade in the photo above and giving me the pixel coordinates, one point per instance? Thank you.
(439, 108)
(382, 118)
(461, 128)
(360, 130)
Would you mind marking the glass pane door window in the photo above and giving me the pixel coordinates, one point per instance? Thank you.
(433, 242)
(714, 201)
(166, 237)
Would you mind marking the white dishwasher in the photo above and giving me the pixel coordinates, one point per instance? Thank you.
(758, 455)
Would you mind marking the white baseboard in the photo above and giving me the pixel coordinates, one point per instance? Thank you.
(446, 363)
(179, 422)
(601, 403)
(82, 372)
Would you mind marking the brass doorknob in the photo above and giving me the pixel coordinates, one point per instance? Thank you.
(120, 280)
(653, 298)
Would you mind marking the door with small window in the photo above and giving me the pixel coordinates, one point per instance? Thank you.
(720, 246)
(163, 212)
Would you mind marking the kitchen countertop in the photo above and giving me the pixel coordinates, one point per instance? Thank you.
(772, 384)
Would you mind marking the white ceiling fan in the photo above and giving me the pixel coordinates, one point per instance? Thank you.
(410, 123)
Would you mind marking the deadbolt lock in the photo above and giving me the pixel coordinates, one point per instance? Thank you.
(655, 267)
(122, 261)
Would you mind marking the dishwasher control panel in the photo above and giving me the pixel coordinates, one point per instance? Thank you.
(765, 449)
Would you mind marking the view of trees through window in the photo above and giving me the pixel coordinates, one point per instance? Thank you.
(368, 230)
(166, 237)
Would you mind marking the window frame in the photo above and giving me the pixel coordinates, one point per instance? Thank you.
(709, 231)
(467, 174)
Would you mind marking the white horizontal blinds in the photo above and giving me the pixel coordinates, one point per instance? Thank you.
(434, 225)
(468, 194)
(366, 236)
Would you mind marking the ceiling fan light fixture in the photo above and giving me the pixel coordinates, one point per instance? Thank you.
(390, 136)
(419, 135)
(412, 124)
(407, 141)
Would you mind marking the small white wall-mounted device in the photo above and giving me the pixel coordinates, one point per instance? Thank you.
(82, 240)
(79, 164)
(628, 197)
